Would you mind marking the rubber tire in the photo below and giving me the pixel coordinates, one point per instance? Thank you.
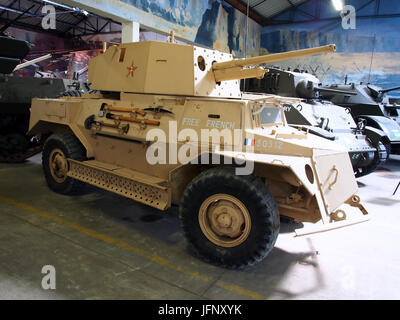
(253, 193)
(72, 149)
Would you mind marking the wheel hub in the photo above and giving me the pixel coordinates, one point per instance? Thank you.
(224, 220)
(58, 165)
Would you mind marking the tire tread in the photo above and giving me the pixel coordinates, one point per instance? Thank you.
(249, 186)
(74, 150)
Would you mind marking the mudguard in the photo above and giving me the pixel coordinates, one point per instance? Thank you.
(375, 135)
(390, 127)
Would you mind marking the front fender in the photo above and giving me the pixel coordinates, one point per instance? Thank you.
(326, 175)
(375, 135)
(390, 127)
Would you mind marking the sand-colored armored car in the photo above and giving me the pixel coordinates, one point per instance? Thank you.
(170, 124)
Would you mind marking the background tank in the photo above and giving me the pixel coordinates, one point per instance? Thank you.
(372, 105)
(321, 117)
(16, 94)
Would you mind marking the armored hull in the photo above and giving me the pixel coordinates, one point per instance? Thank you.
(170, 124)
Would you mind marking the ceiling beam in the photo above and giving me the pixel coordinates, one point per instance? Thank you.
(242, 7)
(9, 6)
(290, 9)
(297, 9)
(26, 26)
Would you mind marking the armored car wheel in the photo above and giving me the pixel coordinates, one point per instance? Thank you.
(229, 220)
(57, 149)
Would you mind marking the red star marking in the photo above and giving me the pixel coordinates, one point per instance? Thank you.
(131, 70)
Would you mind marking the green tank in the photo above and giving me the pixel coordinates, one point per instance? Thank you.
(372, 105)
(16, 94)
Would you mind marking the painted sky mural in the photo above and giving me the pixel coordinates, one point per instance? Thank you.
(369, 53)
(214, 23)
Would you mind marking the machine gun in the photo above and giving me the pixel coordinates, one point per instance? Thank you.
(32, 62)
(389, 90)
(379, 94)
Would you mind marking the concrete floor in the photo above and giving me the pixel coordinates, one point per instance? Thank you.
(107, 247)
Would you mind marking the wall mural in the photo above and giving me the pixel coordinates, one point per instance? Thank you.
(369, 53)
(214, 23)
(68, 55)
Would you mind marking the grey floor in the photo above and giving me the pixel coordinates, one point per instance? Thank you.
(107, 247)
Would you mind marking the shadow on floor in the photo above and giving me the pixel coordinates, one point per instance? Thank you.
(384, 201)
(102, 210)
(263, 278)
(271, 273)
(392, 164)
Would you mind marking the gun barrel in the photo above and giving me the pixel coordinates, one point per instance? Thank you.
(335, 91)
(390, 89)
(29, 63)
(239, 73)
(273, 57)
(397, 107)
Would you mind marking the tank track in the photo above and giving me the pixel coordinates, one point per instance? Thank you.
(16, 148)
(70, 93)
(381, 156)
